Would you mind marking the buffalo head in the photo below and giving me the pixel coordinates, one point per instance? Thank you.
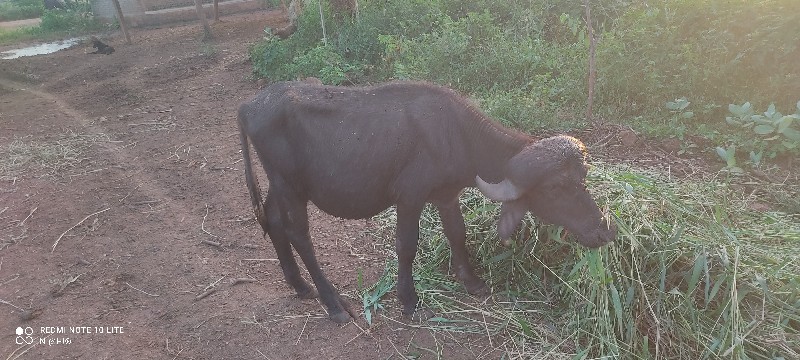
(547, 178)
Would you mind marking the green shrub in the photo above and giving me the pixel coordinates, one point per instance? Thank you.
(476, 56)
(711, 51)
(20, 9)
(77, 18)
(356, 41)
(769, 134)
(272, 58)
(325, 63)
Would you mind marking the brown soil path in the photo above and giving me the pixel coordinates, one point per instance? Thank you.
(20, 23)
(159, 166)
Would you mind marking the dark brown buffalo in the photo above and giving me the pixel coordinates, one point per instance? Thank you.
(355, 151)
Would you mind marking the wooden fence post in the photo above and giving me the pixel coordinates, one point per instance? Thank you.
(216, 10)
(122, 24)
(202, 15)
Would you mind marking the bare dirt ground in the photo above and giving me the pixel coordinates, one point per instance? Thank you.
(20, 23)
(160, 171)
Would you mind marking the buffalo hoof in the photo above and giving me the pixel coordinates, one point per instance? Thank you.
(308, 293)
(478, 288)
(343, 313)
(341, 317)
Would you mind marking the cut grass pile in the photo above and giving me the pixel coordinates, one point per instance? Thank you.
(55, 157)
(695, 272)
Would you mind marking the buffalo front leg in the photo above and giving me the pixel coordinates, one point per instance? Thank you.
(456, 233)
(406, 242)
(283, 248)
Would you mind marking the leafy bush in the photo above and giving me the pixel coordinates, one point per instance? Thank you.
(325, 63)
(355, 41)
(20, 9)
(712, 51)
(301, 55)
(480, 48)
(77, 17)
(771, 133)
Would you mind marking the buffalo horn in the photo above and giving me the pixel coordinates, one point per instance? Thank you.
(503, 191)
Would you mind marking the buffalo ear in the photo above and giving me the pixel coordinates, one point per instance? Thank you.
(511, 213)
(528, 168)
(552, 156)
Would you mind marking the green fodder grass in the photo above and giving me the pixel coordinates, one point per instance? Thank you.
(693, 273)
(53, 157)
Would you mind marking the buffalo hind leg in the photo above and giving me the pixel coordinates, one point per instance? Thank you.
(455, 231)
(283, 248)
(294, 216)
(338, 309)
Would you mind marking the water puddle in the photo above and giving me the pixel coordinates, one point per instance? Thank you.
(46, 48)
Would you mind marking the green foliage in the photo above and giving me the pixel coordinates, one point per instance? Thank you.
(462, 45)
(77, 17)
(20, 9)
(773, 133)
(713, 51)
(769, 134)
(728, 154)
(324, 63)
(16, 35)
(357, 53)
(680, 114)
(475, 54)
(282, 59)
(372, 295)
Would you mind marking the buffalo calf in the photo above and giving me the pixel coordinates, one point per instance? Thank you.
(355, 151)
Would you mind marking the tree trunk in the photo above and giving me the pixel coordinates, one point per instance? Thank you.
(216, 10)
(122, 24)
(322, 22)
(202, 15)
(592, 65)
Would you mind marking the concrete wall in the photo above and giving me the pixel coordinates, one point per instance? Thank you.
(104, 9)
(158, 12)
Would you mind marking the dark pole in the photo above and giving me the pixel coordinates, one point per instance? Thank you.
(202, 15)
(592, 67)
(122, 24)
(216, 10)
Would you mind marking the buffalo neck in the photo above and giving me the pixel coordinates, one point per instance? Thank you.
(492, 145)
